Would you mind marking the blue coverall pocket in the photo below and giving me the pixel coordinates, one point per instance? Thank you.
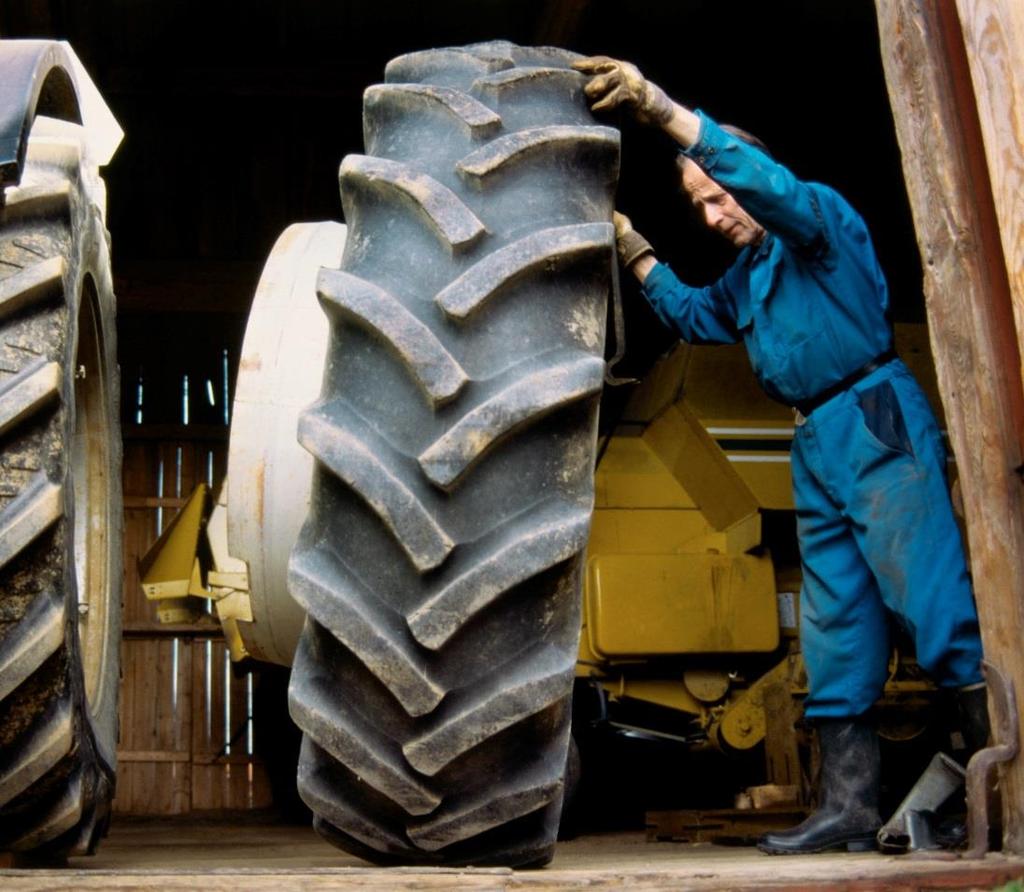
(883, 418)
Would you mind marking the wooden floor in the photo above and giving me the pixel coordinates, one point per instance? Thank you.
(215, 855)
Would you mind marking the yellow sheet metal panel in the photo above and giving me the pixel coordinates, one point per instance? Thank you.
(767, 475)
(660, 387)
(236, 646)
(630, 475)
(759, 452)
(700, 467)
(668, 531)
(679, 604)
(659, 531)
(670, 693)
(720, 384)
(226, 569)
(178, 611)
(753, 431)
(166, 569)
(741, 537)
(756, 433)
(236, 606)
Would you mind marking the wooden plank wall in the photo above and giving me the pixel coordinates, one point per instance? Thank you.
(969, 296)
(187, 715)
(994, 40)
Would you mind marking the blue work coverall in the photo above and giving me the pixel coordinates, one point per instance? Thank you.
(874, 519)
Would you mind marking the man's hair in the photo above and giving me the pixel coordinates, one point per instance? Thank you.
(747, 137)
(740, 134)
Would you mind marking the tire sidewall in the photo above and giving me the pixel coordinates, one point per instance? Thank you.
(89, 261)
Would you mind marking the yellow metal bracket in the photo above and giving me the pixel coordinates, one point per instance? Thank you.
(679, 439)
(168, 569)
(743, 723)
(173, 570)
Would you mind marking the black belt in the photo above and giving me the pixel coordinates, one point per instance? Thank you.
(805, 407)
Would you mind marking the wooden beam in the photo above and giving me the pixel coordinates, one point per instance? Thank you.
(199, 629)
(970, 318)
(186, 286)
(559, 21)
(153, 502)
(154, 756)
(174, 433)
(994, 39)
(341, 80)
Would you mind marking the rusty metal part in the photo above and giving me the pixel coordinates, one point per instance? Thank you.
(938, 782)
(919, 831)
(1006, 731)
(921, 842)
(619, 322)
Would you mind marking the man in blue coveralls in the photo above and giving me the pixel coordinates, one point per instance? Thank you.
(876, 528)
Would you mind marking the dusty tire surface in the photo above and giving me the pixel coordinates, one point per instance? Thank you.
(60, 507)
(454, 443)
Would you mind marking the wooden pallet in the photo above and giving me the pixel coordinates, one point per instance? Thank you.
(726, 825)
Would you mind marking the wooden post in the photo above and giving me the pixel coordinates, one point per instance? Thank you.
(971, 319)
(994, 40)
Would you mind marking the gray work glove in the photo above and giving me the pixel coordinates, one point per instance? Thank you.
(614, 83)
(629, 244)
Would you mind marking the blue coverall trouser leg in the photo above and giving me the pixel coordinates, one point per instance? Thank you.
(878, 538)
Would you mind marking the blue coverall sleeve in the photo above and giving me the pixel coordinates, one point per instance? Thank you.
(700, 315)
(785, 206)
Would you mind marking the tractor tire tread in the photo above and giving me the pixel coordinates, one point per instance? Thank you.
(433, 679)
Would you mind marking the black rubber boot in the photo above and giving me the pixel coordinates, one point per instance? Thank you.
(847, 817)
(974, 720)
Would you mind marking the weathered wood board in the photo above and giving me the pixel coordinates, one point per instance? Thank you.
(970, 308)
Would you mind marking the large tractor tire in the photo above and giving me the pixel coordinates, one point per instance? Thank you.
(454, 443)
(60, 510)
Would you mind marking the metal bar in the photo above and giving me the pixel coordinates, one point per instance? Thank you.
(1006, 733)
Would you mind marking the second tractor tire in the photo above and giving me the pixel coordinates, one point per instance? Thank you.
(454, 442)
(60, 503)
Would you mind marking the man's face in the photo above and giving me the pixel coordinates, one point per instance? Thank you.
(719, 209)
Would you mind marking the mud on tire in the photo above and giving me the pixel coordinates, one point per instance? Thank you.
(454, 438)
(60, 514)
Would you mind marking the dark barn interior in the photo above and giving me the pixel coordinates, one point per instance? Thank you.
(236, 117)
(236, 123)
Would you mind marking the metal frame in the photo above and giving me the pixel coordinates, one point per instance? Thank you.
(37, 77)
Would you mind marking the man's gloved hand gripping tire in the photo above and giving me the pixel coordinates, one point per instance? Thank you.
(617, 84)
